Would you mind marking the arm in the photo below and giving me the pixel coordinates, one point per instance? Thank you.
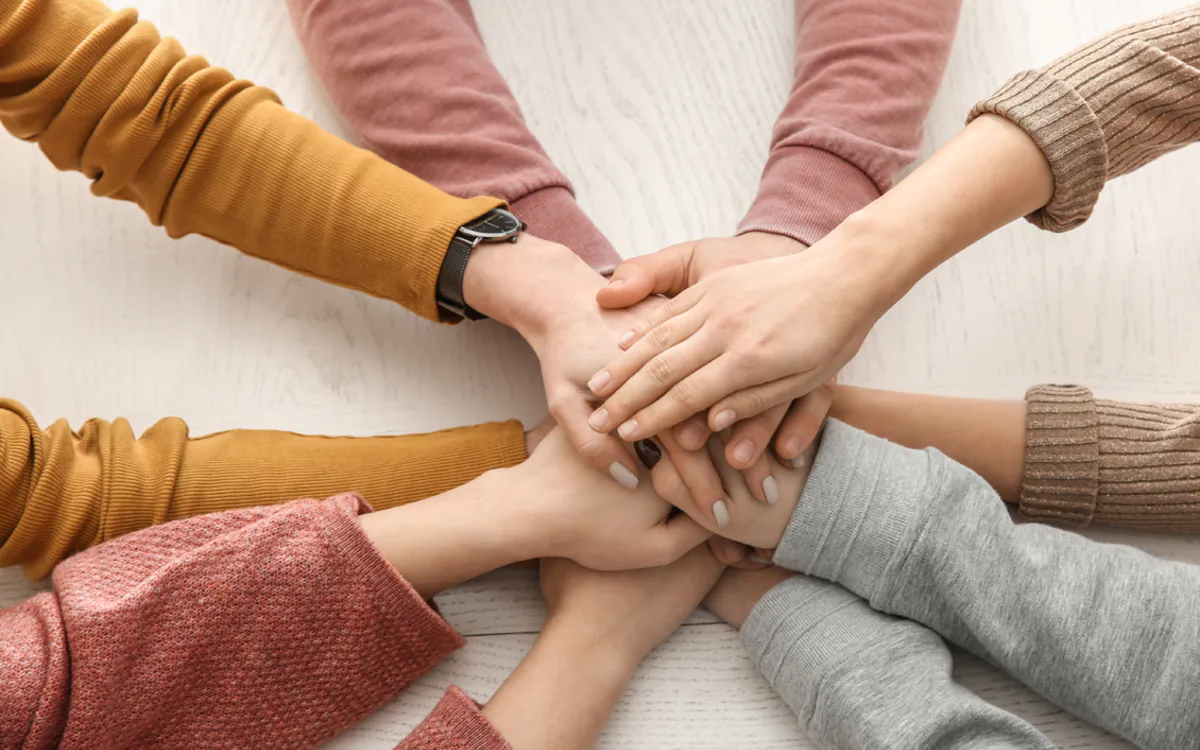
(394, 69)
(857, 678)
(65, 491)
(1105, 631)
(201, 152)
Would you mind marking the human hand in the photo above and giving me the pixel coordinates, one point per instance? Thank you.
(577, 513)
(738, 591)
(744, 340)
(627, 612)
(738, 517)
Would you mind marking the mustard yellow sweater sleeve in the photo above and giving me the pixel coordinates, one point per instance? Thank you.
(62, 491)
(202, 152)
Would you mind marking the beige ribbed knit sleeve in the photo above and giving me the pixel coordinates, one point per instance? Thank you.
(1120, 464)
(1107, 108)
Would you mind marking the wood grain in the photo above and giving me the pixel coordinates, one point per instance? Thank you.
(661, 113)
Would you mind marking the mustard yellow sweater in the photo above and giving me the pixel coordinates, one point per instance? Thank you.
(202, 152)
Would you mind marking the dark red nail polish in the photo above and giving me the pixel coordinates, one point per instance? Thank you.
(648, 452)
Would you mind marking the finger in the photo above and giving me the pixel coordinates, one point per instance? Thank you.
(601, 450)
(750, 400)
(653, 352)
(676, 537)
(674, 307)
(803, 422)
(692, 434)
(731, 478)
(652, 382)
(664, 272)
(701, 483)
(696, 392)
(746, 450)
(727, 551)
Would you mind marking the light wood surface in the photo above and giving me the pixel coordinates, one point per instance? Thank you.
(660, 111)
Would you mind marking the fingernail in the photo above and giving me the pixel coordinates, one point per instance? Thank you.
(723, 420)
(648, 452)
(758, 559)
(598, 381)
(798, 462)
(743, 452)
(792, 445)
(771, 490)
(616, 283)
(599, 420)
(628, 430)
(623, 475)
(626, 338)
(721, 513)
(691, 436)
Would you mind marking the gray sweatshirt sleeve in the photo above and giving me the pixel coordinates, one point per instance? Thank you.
(857, 678)
(1103, 630)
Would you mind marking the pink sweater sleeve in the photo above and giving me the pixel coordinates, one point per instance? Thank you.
(414, 82)
(267, 627)
(866, 75)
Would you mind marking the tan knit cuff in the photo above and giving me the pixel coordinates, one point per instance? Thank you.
(1062, 454)
(1064, 127)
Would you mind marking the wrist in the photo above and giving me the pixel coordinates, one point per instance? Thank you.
(601, 656)
(522, 284)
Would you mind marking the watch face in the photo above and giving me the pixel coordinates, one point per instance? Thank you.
(497, 224)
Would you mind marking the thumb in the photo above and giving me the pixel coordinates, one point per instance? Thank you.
(664, 272)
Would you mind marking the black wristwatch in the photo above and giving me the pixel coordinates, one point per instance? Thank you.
(497, 225)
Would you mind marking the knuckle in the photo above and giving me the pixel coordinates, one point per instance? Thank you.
(660, 335)
(660, 369)
(684, 394)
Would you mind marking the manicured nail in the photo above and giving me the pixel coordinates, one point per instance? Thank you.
(623, 475)
(743, 452)
(648, 452)
(626, 338)
(598, 381)
(758, 559)
(771, 490)
(599, 420)
(628, 430)
(691, 435)
(723, 420)
(613, 284)
(721, 513)
(792, 445)
(798, 462)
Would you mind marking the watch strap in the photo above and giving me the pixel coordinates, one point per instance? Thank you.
(450, 296)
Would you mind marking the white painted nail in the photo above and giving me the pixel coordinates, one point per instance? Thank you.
(771, 490)
(598, 420)
(598, 381)
(798, 462)
(628, 429)
(626, 338)
(623, 475)
(758, 559)
(721, 513)
(723, 420)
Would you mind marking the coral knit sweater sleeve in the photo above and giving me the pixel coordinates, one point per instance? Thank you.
(265, 627)
(415, 82)
(63, 491)
(203, 152)
(866, 75)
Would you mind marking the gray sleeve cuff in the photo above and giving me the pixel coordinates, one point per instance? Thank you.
(858, 509)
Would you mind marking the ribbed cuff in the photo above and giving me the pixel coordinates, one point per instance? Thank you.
(1064, 127)
(858, 505)
(805, 192)
(1062, 454)
(802, 628)
(553, 215)
(456, 723)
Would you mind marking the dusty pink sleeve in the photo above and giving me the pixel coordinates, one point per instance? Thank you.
(866, 75)
(414, 82)
(267, 627)
(456, 723)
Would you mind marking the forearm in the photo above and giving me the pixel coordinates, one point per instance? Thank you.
(562, 693)
(987, 436)
(989, 175)
(1105, 631)
(395, 69)
(858, 678)
(866, 75)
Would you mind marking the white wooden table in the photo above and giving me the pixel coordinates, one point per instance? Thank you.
(660, 112)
